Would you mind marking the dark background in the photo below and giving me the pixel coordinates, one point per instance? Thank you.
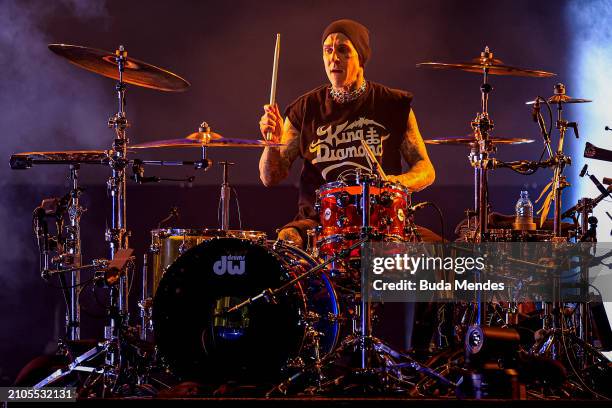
(225, 50)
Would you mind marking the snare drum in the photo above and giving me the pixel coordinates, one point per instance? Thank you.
(339, 207)
(170, 243)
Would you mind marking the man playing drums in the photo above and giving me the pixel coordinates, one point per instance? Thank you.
(326, 125)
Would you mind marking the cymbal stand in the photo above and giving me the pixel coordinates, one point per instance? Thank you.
(226, 189)
(559, 180)
(226, 195)
(378, 360)
(117, 237)
(117, 234)
(481, 150)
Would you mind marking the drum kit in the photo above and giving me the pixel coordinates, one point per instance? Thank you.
(221, 305)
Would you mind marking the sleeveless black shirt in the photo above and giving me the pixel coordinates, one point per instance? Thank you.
(331, 133)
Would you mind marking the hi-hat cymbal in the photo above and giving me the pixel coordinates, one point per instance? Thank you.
(556, 99)
(135, 72)
(469, 140)
(26, 160)
(486, 61)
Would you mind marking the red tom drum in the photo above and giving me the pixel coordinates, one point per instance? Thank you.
(339, 207)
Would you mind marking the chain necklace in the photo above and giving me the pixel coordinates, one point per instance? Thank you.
(345, 97)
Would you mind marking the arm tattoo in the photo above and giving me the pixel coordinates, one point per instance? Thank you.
(410, 152)
(421, 172)
(275, 163)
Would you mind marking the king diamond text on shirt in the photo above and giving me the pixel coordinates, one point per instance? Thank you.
(327, 150)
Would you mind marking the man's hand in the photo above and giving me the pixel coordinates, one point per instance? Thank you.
(271, 121)
(292, 235)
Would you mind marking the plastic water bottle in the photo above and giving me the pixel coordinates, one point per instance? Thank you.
(524, 213)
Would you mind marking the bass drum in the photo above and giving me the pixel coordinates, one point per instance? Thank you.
(198, 341)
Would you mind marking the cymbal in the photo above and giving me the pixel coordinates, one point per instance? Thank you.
(215, 141)
(26, 160)
(486, 61)
(135, 72)
(469, 140)
(556, 99)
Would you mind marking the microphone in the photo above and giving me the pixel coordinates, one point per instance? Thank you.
(536, 116)
(584, 170)
(414, 208)
(535, 111)
(608, 128)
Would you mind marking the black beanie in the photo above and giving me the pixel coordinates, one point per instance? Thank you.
(356, 32)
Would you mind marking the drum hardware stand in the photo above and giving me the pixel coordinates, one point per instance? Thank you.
(481, 150)
(117, 235)
(557, 334)
(109, 274)
(70, 245)
(225, 195)
(584, 207)
(560, 159)
(138, 169)
(371, 348)
(73, 248)
(146, 303)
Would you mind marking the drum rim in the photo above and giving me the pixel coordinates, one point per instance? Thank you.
(325, 188)
(194, 232)
(340, 238)
(331, 185)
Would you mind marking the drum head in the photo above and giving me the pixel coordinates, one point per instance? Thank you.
(198, 341)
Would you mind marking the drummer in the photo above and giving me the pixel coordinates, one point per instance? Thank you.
(325, 126)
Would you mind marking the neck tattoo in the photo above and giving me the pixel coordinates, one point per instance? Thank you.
(347, 96)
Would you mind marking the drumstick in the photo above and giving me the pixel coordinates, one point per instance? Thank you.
(274, 76)
(372, 157)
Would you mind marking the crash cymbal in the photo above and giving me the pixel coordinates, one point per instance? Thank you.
(494, 68)
(135, 72)
(469, 140)
(556, 99)
(213, 142)
(26, 160)
(492, 65)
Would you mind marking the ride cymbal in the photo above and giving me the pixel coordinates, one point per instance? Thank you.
(486, 62)
(453, 141)
(135, 72)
